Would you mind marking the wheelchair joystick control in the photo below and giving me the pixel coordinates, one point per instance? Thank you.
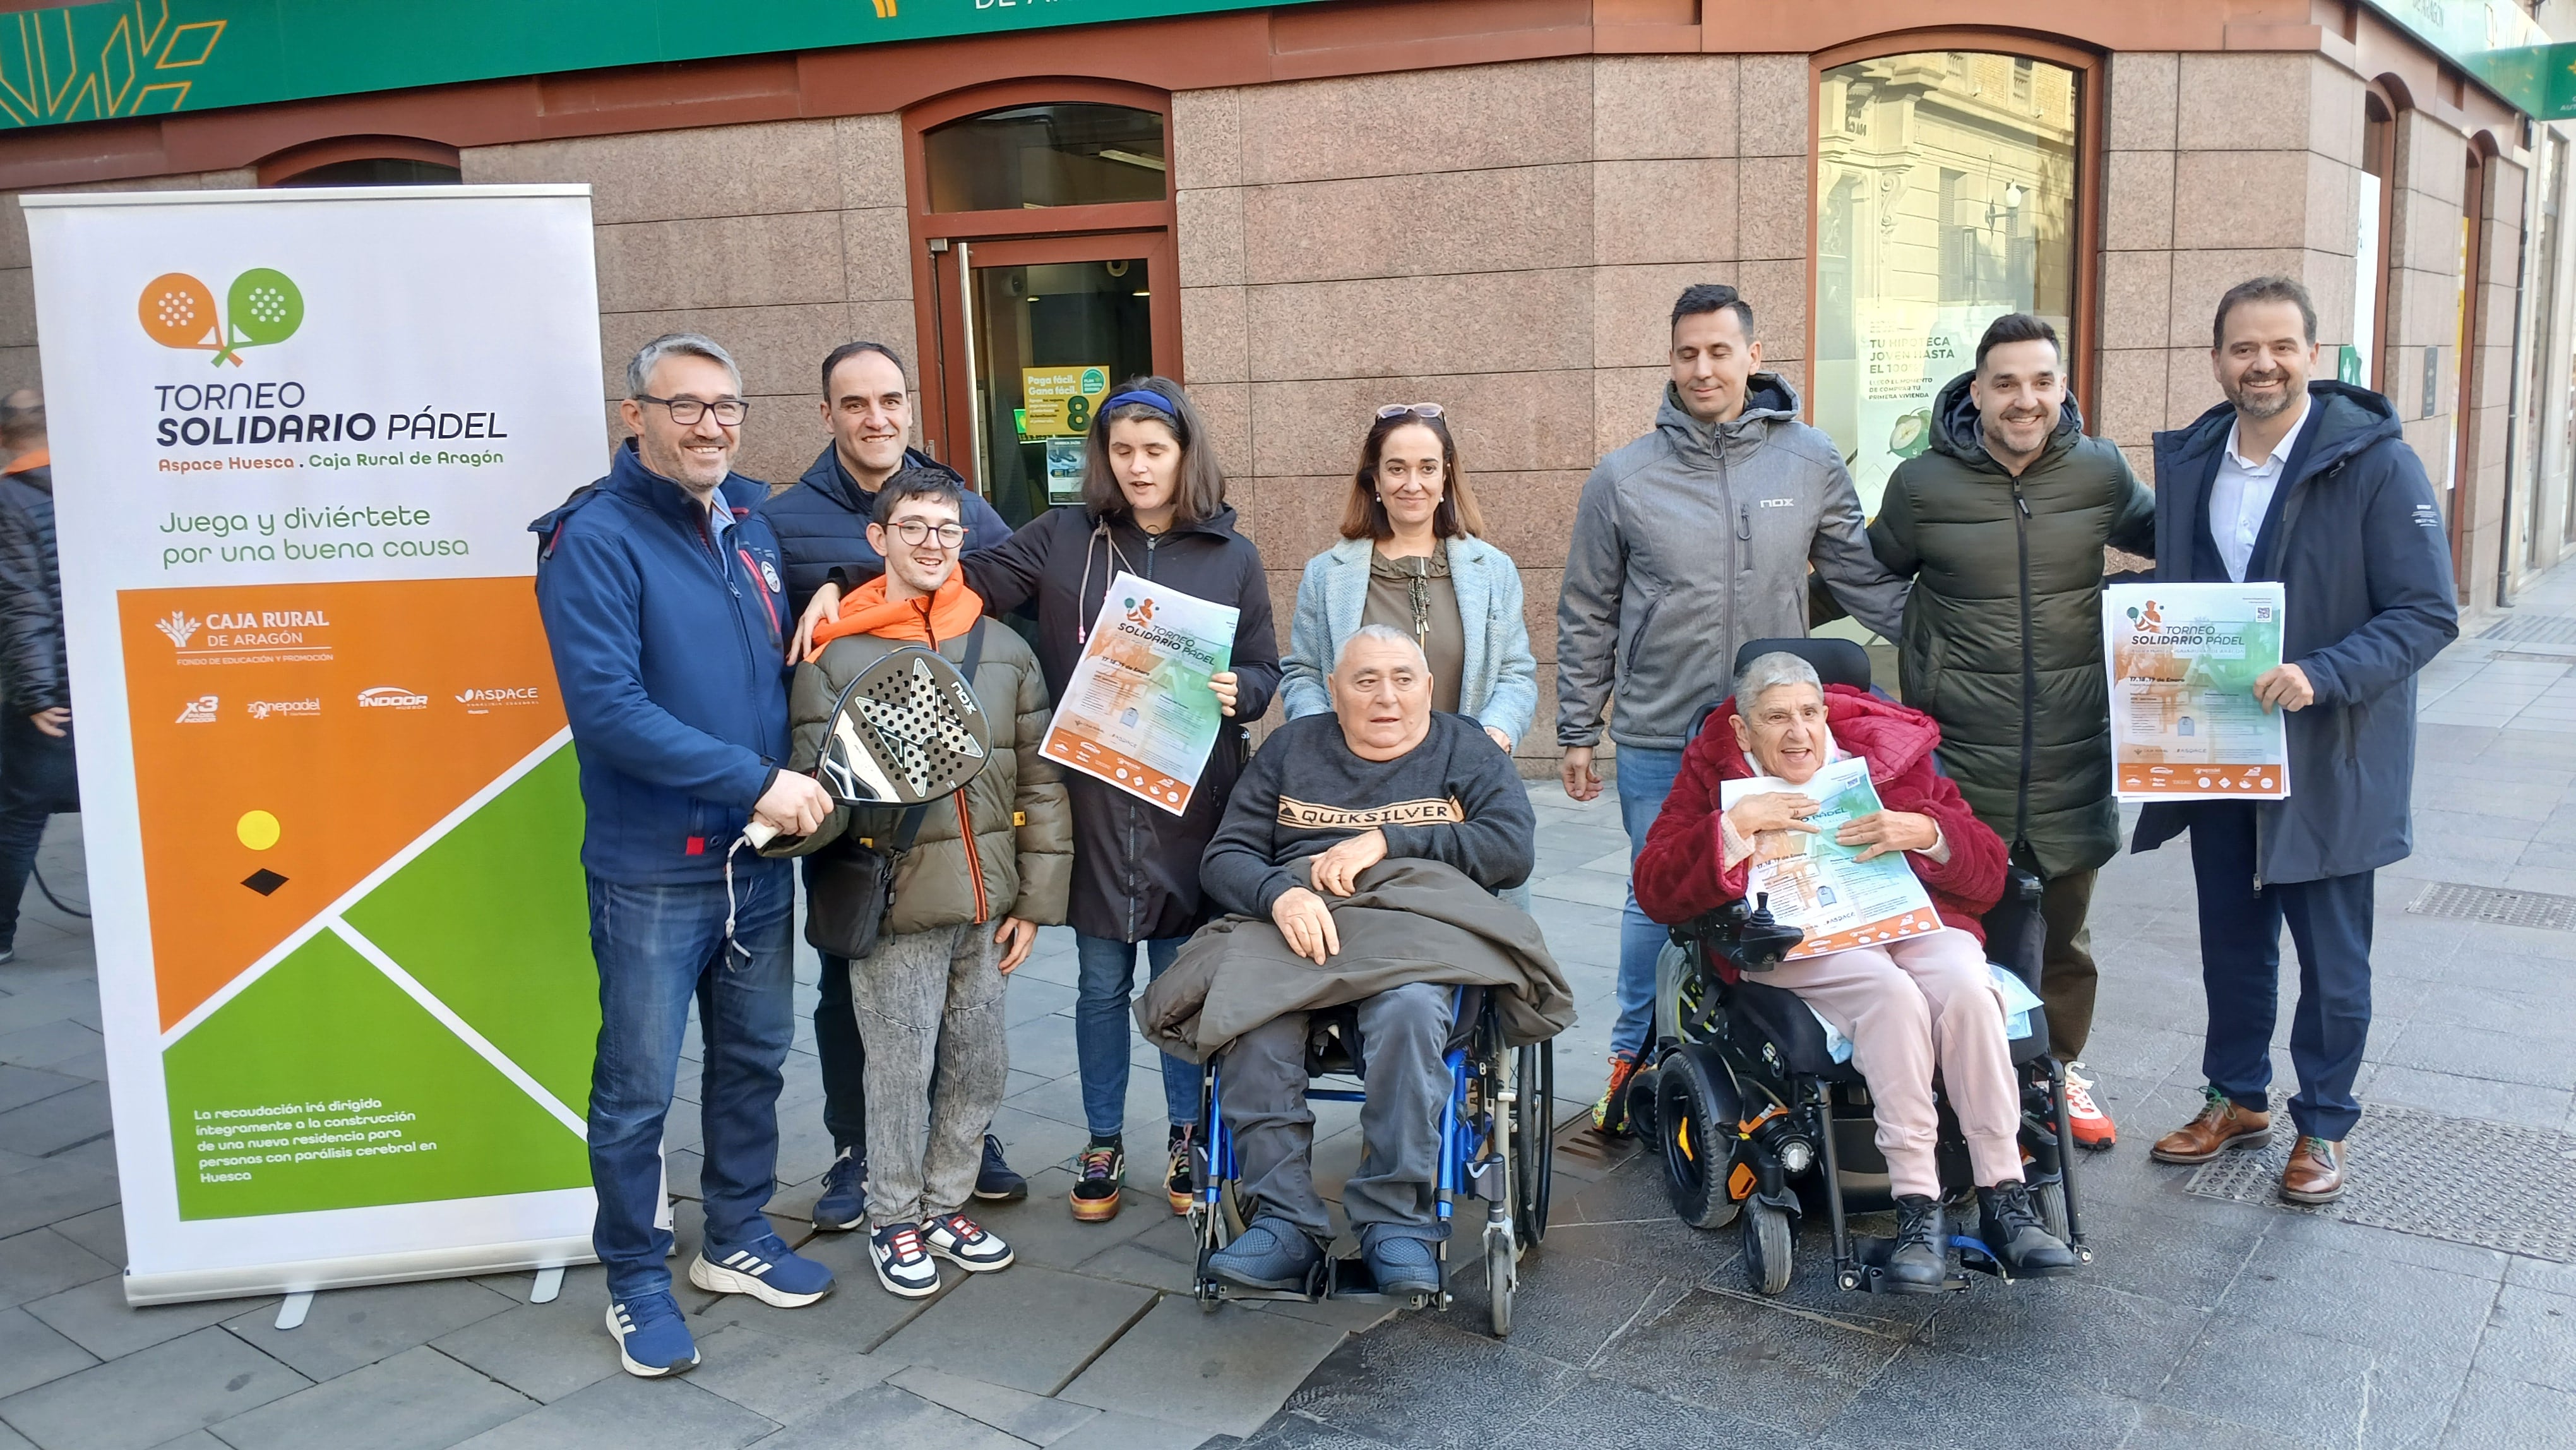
(1760, 941)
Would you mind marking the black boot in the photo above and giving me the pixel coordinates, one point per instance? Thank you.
(1921, 1262)
(2020, 1242)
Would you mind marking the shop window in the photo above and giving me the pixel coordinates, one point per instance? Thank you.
(1956, 211)
(1071, 153)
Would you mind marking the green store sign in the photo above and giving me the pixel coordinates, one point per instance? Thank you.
(152, 57)
(2498, 42)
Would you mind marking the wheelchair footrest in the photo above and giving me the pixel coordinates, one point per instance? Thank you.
(1867, 1270)
(1330, 1279)
(1973, 1254)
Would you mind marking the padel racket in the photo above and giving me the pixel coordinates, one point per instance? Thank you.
(908, 730)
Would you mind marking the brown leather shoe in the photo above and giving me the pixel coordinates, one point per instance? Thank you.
(2314, 1173)
(2221, 1125)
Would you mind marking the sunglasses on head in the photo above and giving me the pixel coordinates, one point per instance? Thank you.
(1418, 410)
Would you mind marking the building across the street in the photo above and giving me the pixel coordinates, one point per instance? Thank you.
(1305, 210)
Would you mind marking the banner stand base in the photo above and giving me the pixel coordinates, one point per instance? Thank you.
(300, 1280)
(292, 1309)
(549, 1284)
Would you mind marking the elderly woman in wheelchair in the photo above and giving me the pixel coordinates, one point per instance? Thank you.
(1911, 1007)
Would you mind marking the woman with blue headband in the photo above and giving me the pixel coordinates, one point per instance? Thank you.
(1153, 505)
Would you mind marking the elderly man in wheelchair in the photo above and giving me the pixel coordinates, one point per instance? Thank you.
(1359, 857)
(1911, 1006)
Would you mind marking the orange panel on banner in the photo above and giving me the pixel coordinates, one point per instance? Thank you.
(291, 738)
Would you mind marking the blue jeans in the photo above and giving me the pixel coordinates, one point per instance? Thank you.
(1645, 778)
(37, 779)
(1106, 975)
(659, 948)
(2240, 970)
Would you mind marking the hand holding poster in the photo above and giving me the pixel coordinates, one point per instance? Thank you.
(1138, 712)
(1824, 887)
(2184, 721)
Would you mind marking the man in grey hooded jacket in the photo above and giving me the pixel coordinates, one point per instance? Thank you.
(1688, 542)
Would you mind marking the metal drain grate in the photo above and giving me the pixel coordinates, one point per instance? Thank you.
(2534, 629)
(2495, 905)
(2462, 1180)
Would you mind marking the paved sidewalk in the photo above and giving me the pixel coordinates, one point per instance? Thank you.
(2202, 1323)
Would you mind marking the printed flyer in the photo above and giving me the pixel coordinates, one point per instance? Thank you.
(1138, 712)
(2184, 721)
(1840, 900)
(332, 821)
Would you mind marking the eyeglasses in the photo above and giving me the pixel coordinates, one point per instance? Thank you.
(1418, 410)
(920, 531)
(688, 411)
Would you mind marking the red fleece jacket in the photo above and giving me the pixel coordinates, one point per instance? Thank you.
(1682, 872)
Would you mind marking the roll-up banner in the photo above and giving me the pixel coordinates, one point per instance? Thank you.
(327, 789)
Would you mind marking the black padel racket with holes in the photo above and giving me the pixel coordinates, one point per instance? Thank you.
(909, 729)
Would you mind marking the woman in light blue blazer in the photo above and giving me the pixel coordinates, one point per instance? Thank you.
(1410, 558)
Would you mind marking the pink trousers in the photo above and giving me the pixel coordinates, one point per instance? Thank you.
(1907, 1007)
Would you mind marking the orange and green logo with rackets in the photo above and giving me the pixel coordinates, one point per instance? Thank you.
(264, 306)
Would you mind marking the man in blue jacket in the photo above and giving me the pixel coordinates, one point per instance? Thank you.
(2312, 484)
(822, 524)
(664, 609)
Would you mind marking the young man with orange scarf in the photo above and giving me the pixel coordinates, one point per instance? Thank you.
(985, 867)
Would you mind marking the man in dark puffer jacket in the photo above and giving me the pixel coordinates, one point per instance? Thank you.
(37, 777)
(2001, 525)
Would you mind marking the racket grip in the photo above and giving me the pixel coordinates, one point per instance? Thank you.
(759, 834)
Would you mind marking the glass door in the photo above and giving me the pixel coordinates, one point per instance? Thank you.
(1046, 329)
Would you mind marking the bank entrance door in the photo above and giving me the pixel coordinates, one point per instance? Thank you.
(1044, 329)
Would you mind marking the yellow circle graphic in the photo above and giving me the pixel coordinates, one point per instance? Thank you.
(257, 829)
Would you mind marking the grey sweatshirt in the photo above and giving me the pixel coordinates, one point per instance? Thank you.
(1455, 799)
(1692, 540)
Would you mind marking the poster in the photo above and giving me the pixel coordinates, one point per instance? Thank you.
(2184, 721)
(1908, 352)
(1059, 402)
(1840, 900)
(330, 806)
(1138, 712)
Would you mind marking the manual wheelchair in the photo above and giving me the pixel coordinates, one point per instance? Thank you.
(1757, 1124)
(1495, 1149)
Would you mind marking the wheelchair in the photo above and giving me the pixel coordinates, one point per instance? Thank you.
(1758, 1125)
(1495, 1129)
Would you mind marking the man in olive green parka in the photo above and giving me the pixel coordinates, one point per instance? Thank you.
(2001, 525)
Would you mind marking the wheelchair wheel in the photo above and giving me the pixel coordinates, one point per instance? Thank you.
(1533, 1142)
(1695, 1122)
(2050, 1200)
(1766, 1248)
(1499, 1278)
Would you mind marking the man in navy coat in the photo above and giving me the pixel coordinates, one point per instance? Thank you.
(2309, 483)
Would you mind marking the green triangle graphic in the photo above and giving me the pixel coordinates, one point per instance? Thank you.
(494, 919)
(325, 1060)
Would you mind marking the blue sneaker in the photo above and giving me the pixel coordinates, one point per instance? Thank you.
(1402, 1265)
(1270, 1253)
(995, 1182)
(844, 1204)
(764, 1268)
(652, 1339)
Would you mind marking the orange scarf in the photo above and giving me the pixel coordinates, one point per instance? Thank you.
(947, 614)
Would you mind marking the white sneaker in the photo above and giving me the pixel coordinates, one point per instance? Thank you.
(903, 1263)
(2092, 1127)
(963, 1242)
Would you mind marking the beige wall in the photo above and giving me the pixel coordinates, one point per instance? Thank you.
(781, 240)
(1504, 240)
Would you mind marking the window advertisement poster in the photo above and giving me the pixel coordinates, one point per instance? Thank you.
(1059, 401)
(332, 822)
(1823, 886)
(1138, 712)
(1908, 352)
(2184, 721)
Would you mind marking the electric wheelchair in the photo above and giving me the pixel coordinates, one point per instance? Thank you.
(1758, 1125)
(1495, 1130)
